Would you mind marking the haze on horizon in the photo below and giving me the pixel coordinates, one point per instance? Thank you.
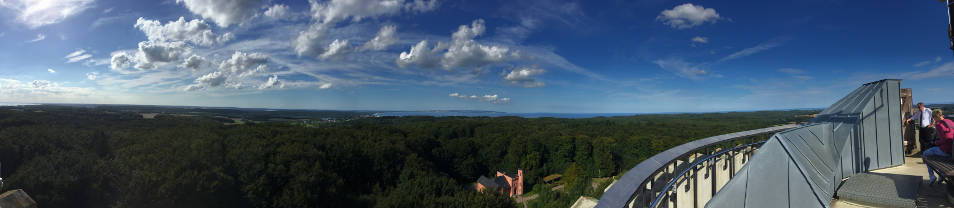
(640, 56)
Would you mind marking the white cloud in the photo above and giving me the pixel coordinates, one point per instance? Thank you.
(791, 71)
(160, 52)
(223, 12)
(238, 72)
(421, 5)
(385, 37)
(700, 39)
(273, 82)
(277, 11)
(75, 53)
(687, 16)
(39, 37)
(337, 10)
(944, 70)
(462, 52)
(336, 49)
(41, 84)
(681, 68)
(91, 75)
(120, 61)
(795, 73)
(755, 49)
(51, 71)
(213, 79)
(496, 99)
(96, 62)
(925, 63)
(245, 64)
(194, 62)
(194, 31)
(308, 42)
(325, 86)
(39, 91)
(76, 56)
(37, 13)
(523, 76)
(421, 55)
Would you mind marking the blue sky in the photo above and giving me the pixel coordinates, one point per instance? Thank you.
(525, 56)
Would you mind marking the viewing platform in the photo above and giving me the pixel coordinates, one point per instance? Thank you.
(852, 154)
(926, 195)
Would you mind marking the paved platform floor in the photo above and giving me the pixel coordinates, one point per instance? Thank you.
(928, 196)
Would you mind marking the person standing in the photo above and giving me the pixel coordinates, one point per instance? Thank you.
(926, 131)
(945, 135)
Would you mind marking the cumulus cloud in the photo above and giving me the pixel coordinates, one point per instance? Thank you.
(524, 76)
(308, 42)
(421, 55)
(153, 52)
(213, 79)
(91, 75)
(385, 37)
(687, 16)
(223, 12)
(76, 56)
(51, 71)
(681, 68)
(120, 61)
(273, 82)
(277, 11)
(194, 62)
(38, 37)
(485, 98)
(236, 72)
(245, 64)
(463, 51)
(336, 49)
(193, 31)
(37, 13)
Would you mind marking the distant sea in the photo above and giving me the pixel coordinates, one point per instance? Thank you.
(15, 104)
(499, 114)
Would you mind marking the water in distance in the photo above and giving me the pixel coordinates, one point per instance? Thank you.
(470, 113)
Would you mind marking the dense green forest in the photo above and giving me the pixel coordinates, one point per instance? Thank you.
(93, 157)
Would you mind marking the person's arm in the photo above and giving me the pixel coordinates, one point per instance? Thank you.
(914, 115)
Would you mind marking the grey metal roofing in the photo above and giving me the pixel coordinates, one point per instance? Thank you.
(802, 167)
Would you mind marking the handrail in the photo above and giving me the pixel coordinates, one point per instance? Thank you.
(669, 185)
(624, 190)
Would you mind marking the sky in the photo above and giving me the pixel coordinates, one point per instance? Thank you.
(641, 56)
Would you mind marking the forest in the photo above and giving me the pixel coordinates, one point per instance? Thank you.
(65, 156)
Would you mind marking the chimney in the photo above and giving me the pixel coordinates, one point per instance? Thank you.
(519, 182)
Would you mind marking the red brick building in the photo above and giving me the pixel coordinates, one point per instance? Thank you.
(509, 184)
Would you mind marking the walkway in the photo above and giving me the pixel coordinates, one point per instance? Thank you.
(927, 196)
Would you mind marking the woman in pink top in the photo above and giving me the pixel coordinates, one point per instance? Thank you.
(945, 135)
